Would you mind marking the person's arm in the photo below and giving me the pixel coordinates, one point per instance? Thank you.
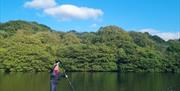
(62, 71)
(62, 74)
(51, 72)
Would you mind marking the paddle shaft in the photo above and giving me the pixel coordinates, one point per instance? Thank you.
(67, 77)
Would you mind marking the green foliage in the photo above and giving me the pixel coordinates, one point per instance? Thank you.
(25, 53)
(173, 56)
(12, 26)
(112, 36)
(142, 39)
(88, 57)
(29, 46)
(71, 38)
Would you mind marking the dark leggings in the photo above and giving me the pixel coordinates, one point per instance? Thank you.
(53, 86)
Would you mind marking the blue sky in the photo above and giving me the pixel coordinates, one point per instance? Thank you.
(159, 17)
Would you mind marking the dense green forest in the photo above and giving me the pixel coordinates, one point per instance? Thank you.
(29, 46)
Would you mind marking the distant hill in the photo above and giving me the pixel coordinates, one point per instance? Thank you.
(29, 46)
(13, 26)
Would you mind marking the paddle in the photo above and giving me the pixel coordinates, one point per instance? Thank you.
(72, 87)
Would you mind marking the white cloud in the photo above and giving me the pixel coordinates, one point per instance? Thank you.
(64, 12)
(70, 12)
(40, 4)
(164, 35)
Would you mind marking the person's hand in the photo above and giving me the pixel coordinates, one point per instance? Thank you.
(66, 76)
(58, 63)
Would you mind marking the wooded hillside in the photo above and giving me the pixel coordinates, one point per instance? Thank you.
(29, 46)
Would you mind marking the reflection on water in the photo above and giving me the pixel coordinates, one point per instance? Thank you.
(101, 81)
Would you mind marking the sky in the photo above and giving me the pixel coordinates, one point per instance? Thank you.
(158, 17)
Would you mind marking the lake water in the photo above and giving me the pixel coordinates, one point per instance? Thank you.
(100, 81)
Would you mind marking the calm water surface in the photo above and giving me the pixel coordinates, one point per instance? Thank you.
(102, 81)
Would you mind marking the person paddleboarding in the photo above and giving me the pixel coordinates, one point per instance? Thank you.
(55, 74)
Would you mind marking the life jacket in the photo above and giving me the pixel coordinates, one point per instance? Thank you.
(56, 70)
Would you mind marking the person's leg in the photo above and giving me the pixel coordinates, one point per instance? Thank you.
(53, 85)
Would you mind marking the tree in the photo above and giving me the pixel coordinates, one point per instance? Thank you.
(30, 46)
(71, 38)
